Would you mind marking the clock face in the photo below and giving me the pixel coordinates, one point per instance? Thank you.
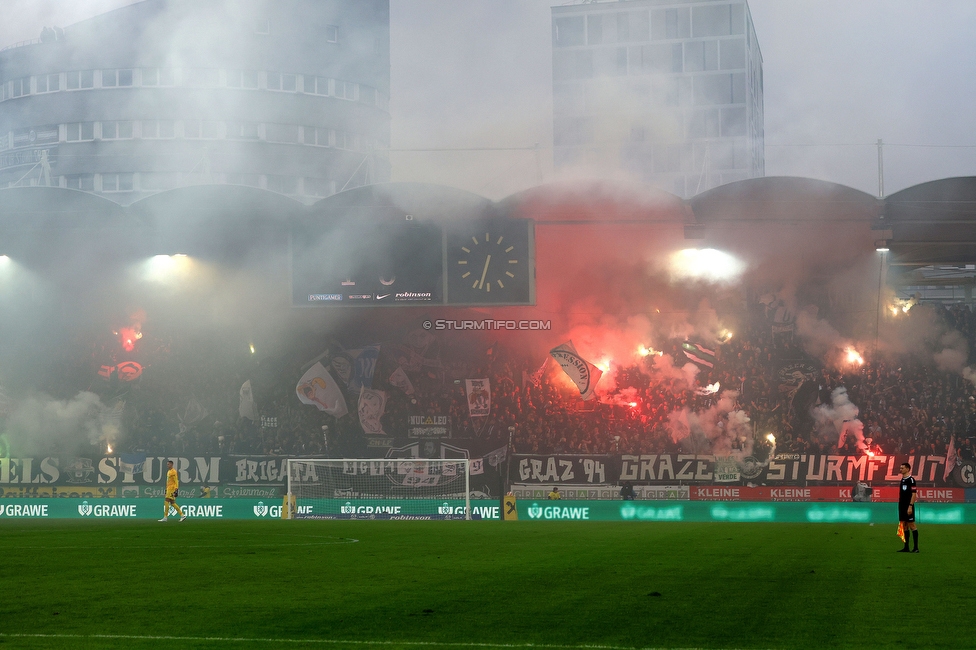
(491, 263)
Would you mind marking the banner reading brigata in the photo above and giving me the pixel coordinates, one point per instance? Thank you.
(782, 469)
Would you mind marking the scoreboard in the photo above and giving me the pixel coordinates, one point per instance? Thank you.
(403, 261)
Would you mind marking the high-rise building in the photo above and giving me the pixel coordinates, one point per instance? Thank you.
(668, 90)
(287, 95)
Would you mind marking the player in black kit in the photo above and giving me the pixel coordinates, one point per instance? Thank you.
(906, 506)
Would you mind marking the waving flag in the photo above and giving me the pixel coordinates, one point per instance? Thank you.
(699, 354)
(372, 403)
(479, 397)
(318, 388)
(583, 373)
(400, 380)
(247, 408)
(363, 367)
(950, 461)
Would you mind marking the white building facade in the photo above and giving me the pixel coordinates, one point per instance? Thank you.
(669, 90)
(290, 96)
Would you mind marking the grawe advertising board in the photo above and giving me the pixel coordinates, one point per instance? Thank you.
(254, 509)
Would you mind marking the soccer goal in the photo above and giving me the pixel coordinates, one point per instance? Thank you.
(378, 488)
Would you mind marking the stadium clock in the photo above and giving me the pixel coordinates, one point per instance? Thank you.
(492, 262)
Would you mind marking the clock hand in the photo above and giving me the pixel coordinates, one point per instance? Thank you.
(485, 272)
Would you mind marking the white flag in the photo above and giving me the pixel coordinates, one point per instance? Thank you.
(495, 458)
(400, 380)
(371, 406)
(248, 409)
(479, 397)
(318, 388)
(950, 461)
(583, 373)
(477, 466)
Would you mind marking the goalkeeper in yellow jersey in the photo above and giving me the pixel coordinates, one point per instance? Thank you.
(172, 491)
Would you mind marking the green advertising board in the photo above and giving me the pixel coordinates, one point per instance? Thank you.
(741, 511)
(647, 511)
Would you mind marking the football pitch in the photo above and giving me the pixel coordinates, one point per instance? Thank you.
(458, 584)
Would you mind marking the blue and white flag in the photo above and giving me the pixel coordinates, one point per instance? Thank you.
(363, 366)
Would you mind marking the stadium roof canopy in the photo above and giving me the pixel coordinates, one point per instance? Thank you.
(423, 201)
(39, 208)
(595, 202)
(784, 199)
(215, 220)
(933, 223)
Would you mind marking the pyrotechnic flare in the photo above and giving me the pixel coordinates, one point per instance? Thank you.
(854, 357)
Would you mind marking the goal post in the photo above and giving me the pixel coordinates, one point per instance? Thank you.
(378, 488)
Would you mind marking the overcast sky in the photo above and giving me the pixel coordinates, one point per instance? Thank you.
(838, 75)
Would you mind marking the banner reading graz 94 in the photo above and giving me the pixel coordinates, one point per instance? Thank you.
(782, 469)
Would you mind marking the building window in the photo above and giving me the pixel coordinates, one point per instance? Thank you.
(284, 82)
(594, 29)
(84, 182)
(158, 129)
(117, 182)
(201, 130)
(116, 130)
(80, 79)
(287, 133)
(345, 140)
(116, 78)
(18, 87)
(718, 20)
(49, 83)
(242, 130)
(319, 187)
(158, 77)
(733, 54)
(345, 89)
(316, 85)
(251, 180)
(156, 181)
(80, 131)
(670, 23)
(332, 33)
(569, 31)
(242, 79)
(201, 77)
(283, 184)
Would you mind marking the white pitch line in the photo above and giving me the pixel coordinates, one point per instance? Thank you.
(338, 542)
(219, 639)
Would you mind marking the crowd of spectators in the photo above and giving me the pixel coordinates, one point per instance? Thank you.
(187, 399)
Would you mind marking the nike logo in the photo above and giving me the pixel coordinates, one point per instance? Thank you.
(385, 295)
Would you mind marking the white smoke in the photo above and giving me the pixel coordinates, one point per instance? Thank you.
(721, 429)
(40, 423)
(837, 420)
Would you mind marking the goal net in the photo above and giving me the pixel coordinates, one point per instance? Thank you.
(374, 488)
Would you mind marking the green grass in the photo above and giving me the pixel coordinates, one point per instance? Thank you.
(458, 584)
